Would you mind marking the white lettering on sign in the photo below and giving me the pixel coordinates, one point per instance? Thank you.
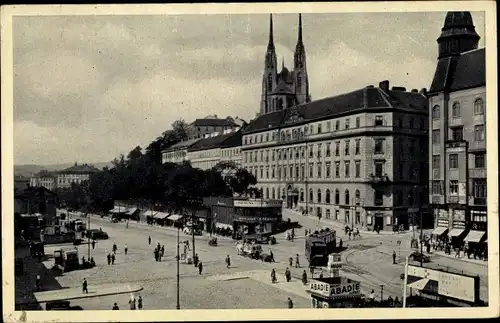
(319, 287)
(347, 289)
(258, 203)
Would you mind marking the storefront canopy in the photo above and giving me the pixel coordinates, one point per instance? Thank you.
(474, 236)
(132, 211)
(175, 217)
(160, 216)
(456, 232)
(439, 231)
(117, 209)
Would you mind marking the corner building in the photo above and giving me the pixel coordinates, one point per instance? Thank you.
(457, 102)
(359, 157)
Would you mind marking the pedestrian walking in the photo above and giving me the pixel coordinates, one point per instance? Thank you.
(84, 286)
(109, 259)
(393, 257)
(155, 252)
(93, 244)
(340, 243)
(162, 250)
(115, 307)
(196, 260)
(38, 283)
(273, 276)
(290, 303)
(305, 233)
(290, 260)
(114, 248)
(271, 255)
(304, 277)
(288, 275)
(132, 303)
(149, 240)
(113, 259)
(126, 249)
(228, 261)
(139, 303)
(200, 268)
(297, 263)
(350, 232)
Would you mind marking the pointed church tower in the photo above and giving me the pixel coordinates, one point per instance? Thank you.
(270, 71)
(301, 80)
(458, 34)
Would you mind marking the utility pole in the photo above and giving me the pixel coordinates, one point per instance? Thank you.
(192, 232)
(178, 274)
(405, 282)
(381, 293)
(421, 240)
(88, 230)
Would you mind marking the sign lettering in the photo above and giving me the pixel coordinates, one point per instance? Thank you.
(348, 289)
(258, 203)
(319, 287)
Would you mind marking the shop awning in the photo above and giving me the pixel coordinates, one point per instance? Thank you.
(132, 211)
(175, 217)
(160, 216)
(439, 231)
(474, 236)
(117, 209)
(456, 232)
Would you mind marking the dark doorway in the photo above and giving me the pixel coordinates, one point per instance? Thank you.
(379, 222)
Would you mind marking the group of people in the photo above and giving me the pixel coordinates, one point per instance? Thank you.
(297, 261)
(133, 303)
(352, 233)
(288, 275)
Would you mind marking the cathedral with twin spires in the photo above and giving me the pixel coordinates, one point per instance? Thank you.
(281, 90)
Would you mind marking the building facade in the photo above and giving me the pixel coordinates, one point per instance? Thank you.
(211, 124)
(208, 152)
(359, 157)
(281, 90)
(76, 174)
(457, 140)
(178, 152)
(44, 179)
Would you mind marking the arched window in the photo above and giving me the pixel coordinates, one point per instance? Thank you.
(358, 197)
(311, 195)
(455, 111)
(337, 197)
(319, 195)
(267, 192)
(302, 195)
(479, 106)
(269, 82)
(436, 112)
(327, 196)
(274, 193)
(346, 197)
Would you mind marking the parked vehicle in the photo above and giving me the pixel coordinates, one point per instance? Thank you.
(417, 256)
(260, 238)
(96, 234)
(67, 259)
(37, 248)
(318, 246)
(212, 241)
(189, 230)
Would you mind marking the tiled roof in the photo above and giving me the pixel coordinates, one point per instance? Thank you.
(214, 142)
(233, 141)
(359, 100)
(213, 123)
(183, 144)
(470, 71)
(460, 72)
(80, 169)
(44, 173)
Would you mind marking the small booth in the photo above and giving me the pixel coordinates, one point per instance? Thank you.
(335, 292)
(174, 219)
(257, 216)
(160, 217)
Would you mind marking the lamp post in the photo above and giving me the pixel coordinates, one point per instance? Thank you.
(178, 274)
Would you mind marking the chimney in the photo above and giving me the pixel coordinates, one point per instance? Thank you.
(423, 91)
(384, 86)
(414, 91)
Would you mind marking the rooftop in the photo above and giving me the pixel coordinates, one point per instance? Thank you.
(80, 169)
(460, 72)
(183, 144)
(213, 122)
(226, 140)
(358, 101)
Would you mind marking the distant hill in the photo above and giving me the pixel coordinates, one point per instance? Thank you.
(30, 170)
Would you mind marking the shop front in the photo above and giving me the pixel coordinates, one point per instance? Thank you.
(440, 232)
(257, 216)
(476, 239)
(335, 292)
(459, 231)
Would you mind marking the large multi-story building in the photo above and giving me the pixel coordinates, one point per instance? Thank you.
(207, 152)
(281, 90)
(44, 179)
(359, 157)
(457, 155)
(76, 174)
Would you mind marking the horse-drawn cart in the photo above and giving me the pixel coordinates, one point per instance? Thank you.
(212, 242)
(252, 251)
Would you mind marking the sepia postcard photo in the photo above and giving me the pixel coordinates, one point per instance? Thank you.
(272, 161)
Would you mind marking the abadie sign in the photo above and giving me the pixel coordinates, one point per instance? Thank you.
(320, 287)
(345, 289)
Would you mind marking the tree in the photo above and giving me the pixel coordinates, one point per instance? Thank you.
(238, 179)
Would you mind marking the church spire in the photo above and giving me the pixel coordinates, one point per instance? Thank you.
(300, 28)
(270, 45)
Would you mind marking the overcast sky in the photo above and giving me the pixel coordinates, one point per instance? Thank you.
(88, 88)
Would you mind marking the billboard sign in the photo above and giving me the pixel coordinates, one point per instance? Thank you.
(443, 283)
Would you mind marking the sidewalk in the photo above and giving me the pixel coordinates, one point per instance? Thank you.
(461, 258)
(295, 286)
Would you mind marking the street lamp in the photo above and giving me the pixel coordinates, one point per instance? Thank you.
(178, 273)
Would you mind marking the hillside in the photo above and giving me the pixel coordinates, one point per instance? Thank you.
(30, 170)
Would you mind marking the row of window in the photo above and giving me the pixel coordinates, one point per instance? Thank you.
(478, 189)
(231, 152)
(479, 161)
(299, 152)
(456, 109)
(457, 134)
(301, 133)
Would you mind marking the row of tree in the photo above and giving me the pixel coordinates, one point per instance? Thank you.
(142, 179)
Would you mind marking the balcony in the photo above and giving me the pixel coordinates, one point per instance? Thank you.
(379, 178)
